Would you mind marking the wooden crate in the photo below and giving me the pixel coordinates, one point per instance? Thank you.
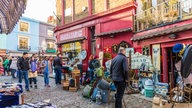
(77, 83)
(73, 89)
(66, 88)
(66, 84)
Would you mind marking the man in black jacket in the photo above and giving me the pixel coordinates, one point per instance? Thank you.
(23, 67)
(57, 63)
(119, 73)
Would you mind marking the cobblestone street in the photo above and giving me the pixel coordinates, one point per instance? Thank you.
(66, 99)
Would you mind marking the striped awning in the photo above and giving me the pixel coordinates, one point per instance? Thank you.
(10, 13)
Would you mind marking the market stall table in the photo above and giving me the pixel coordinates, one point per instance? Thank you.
(10, 94)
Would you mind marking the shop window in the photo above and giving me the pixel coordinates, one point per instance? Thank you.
(23, 26)
(50, 32)
(50, 45)
(146, 50)
(23, 42)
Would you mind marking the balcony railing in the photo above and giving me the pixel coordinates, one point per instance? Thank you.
(163, 14)
(23, 48)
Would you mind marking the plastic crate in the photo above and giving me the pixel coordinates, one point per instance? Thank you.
(149, 92)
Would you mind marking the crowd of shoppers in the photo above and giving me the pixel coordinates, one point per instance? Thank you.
(28, 68)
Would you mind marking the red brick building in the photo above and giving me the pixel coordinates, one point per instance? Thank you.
(95, 26)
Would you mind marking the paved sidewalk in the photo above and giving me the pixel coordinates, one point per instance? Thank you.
(66, 99)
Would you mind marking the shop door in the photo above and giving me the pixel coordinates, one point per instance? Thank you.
(171, 60)
(93, 40)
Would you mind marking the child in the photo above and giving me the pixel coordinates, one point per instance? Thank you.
(46, 71)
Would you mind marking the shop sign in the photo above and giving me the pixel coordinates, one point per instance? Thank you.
(128, 50)
(83, 54)
(137, 59)
(71, 35)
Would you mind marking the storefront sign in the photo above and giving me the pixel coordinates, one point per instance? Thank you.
(71, 35)
(128, 50)
(137, 59)
(83, 54)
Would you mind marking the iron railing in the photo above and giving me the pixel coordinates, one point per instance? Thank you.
(23, 48)
(163, 14)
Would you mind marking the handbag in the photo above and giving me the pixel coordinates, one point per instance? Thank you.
(32, 74)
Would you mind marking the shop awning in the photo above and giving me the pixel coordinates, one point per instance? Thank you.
(72, 40)
(163, 32)
(114, 32)
(10, 12)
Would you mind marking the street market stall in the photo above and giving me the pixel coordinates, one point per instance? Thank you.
(10, 94)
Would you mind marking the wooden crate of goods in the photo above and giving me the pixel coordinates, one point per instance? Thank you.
(77, 83)
(73, 89)
(66, 88)
(66, 84)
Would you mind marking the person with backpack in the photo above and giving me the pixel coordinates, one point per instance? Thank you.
(13, 67)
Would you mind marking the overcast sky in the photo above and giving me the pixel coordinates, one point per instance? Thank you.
(39, 9)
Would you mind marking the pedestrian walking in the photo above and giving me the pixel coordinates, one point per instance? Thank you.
(23, 66)
(13, 67)
(119, 73)
(57, 63)
(33, 72)
(6, 65)
(46, 71)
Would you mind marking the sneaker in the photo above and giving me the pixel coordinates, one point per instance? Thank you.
(48, 86)
(28, 90)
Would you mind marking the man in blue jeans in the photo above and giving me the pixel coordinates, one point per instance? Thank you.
(23, 67)
(119, 73)
(57, 63)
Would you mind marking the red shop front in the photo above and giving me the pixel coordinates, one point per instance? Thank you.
(163, 39)
(99, 32)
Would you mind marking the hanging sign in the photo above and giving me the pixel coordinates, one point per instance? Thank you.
(137, 59)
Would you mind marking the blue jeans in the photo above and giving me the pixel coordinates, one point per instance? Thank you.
(13, 72)
(120, 85)
(24, 73)
(58, 73)
(46, 78)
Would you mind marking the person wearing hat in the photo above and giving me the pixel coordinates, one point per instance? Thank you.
(179, 50)
(119, 74)
(23, 67)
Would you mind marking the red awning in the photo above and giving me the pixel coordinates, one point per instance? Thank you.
(114, 32)
(10, 12)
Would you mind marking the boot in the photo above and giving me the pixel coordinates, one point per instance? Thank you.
(35, 86)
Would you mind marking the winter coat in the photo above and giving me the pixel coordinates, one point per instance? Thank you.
(6, 63)
(119, 68)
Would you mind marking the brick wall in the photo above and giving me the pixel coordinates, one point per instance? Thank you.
(58, 11)
(98, 6)
(116, 3)
(68, 4)
(81, 9)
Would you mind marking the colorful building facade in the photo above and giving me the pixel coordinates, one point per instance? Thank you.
(95, 27)
(156, 33)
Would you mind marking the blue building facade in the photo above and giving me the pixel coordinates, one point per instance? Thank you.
(24, 37)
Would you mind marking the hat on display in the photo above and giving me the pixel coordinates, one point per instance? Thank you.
(177, 47)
